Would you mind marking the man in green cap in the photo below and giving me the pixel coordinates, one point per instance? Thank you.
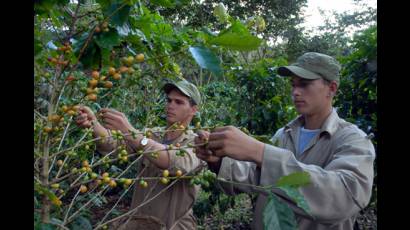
(171, 208)
(337, 154)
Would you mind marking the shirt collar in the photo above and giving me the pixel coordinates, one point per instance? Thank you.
(329, 126)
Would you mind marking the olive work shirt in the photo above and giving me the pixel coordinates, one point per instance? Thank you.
(340, 163)
(172, 207)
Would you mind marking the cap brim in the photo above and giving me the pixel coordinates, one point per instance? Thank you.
(169, 86)
(298, 71)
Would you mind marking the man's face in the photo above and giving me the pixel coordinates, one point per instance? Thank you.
(310, 96)
(178, 108)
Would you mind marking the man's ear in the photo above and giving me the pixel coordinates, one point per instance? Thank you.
(194, 109)
(333, 86)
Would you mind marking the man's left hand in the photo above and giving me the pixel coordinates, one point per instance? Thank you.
(115, 120)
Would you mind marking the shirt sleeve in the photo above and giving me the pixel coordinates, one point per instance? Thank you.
(186, 163)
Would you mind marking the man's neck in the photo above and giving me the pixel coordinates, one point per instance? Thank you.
(172, 135)
(315, 121)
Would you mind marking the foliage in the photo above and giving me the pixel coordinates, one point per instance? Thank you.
(223, 50)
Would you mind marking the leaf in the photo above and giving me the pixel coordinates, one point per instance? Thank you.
(43, 226)
(237, 27)
(37, 46)
(118, 16)
(296, 179)
(109, 39)
(206, 59)
(56, 221)
(54, 18)
(277, 215)
(237, 37)
(165, 3)
(241, 42)
(296, 196)
(48, 193)
(81, 223)
(43, 7)
(92, 56)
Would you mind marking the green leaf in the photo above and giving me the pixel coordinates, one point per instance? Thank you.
(277, 215)
(56, 221)
(109, 39)
(206, 59)
(92, 56)
(164, 3)
(296, 179)
(105, 57)
(237, 27)
(54, 18)
(241, 42)
(37, 47)
(296, 196)
(81, 223)
(44, 190)
(118, 16)
(42, 226)
(43, 7)
(237, 37)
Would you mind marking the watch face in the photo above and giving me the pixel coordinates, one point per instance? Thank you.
(144, 141)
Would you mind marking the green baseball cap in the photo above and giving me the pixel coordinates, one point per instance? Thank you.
(186, 88)
(313, 65)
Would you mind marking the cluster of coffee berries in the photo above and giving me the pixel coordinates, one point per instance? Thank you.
(204, 178)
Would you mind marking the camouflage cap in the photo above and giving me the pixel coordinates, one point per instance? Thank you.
(313, 65)
(187, 88)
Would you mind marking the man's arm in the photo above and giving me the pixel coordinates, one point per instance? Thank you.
(336, 192)
(157, 154)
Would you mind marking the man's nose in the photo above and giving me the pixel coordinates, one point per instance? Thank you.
(295, 91)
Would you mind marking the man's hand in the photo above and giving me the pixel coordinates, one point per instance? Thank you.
(115, 120)
(232, 142)
(202, 152)
(85, 118)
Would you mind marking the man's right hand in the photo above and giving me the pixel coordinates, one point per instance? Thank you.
(85, 118)
(202, 152)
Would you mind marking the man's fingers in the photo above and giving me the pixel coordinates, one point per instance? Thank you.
(208, 158)
(111, 111)
(111, 116)
(81, 116)
(219, 152)
(217, 136)
(202, 150)
(108, 126)
(221, 129)
(216, 144)
(85, 124)
(87, 110)
(203, 134)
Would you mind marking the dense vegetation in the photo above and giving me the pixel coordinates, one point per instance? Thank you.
(119, 53)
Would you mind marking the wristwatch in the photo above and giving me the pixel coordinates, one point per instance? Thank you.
(144, 141)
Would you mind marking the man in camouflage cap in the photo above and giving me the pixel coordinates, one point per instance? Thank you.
(172, 208)
(313, 66)
(337, 154)
(187, 88)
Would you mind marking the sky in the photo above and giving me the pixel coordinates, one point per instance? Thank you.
(313, 17)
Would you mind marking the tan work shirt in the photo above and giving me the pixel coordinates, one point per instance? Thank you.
(172, 207)
(339, 161)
